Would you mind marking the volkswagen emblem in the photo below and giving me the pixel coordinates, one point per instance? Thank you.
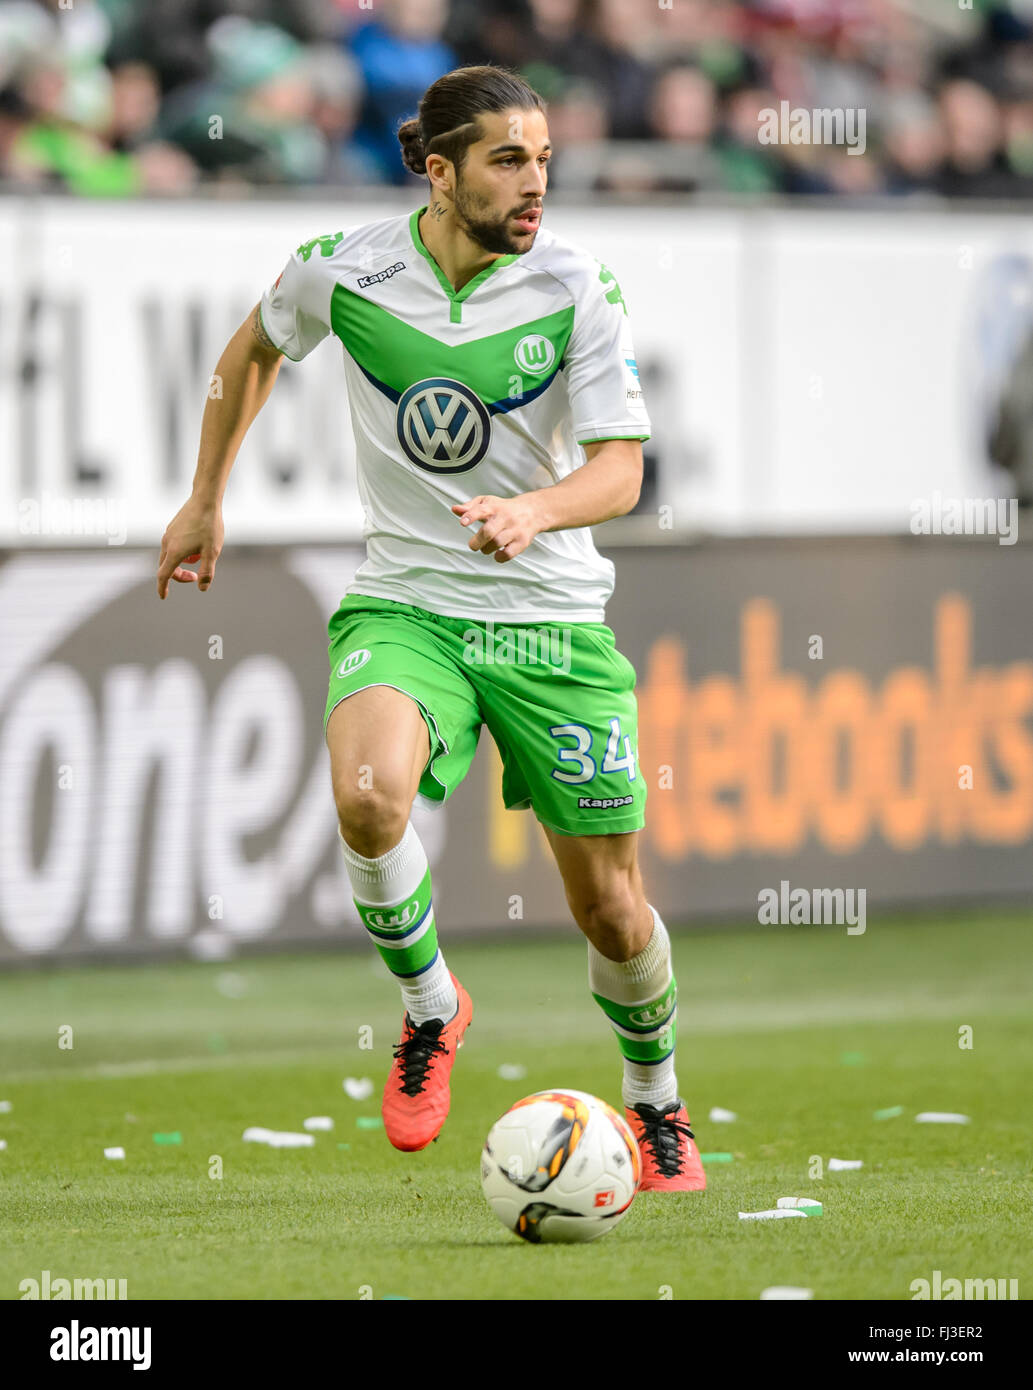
(442, 426)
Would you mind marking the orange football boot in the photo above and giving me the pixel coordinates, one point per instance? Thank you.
(416, 1096)
(670, 1159)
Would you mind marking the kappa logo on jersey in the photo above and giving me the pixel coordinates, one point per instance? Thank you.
(534, 354)
(402, 916)
(353, 661)
(442, 426)
(380, 276)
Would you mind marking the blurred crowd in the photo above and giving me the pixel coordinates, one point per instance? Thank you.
(122, 97)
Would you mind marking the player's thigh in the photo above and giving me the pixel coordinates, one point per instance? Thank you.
(400, 717)
(378, 744)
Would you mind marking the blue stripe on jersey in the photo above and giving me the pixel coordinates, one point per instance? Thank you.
(502, 407)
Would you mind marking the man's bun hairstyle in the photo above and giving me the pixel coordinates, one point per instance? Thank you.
(447, 121)
(411, 141)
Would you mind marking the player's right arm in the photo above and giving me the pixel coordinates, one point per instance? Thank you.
(245, 374)
(290, 320)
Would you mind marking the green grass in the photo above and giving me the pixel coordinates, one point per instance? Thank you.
(765, 1018)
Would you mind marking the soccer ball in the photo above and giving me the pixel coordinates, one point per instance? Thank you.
(560, 1166)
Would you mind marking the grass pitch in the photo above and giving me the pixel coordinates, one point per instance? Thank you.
(804, 1032)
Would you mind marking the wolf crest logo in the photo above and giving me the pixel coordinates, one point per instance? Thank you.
(387, 918)
(652, 1013)
(353, 661)
(534, 354)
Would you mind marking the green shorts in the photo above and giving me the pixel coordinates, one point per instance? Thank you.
(558, 699)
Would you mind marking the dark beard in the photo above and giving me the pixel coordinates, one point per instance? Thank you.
(492, 235)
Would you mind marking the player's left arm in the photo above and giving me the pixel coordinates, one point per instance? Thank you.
(606, 485)
(609, 421)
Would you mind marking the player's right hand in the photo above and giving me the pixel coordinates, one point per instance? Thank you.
(194, 533)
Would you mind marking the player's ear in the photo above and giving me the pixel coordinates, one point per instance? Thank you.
(441, 173)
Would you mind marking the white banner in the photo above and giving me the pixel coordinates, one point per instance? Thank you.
(804, 370)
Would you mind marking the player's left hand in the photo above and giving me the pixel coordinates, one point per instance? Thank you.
(510, 524)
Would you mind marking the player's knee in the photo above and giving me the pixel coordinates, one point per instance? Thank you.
(372, 819)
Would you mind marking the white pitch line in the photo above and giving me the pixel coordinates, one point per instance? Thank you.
(153, 1066)
(727, 1019)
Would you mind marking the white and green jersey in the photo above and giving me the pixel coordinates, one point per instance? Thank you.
(454, 393)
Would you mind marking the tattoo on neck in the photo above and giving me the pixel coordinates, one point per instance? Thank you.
(437, 211)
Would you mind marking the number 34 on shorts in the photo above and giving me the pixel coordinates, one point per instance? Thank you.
(584, 760)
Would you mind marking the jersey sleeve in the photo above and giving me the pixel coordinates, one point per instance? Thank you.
(296, 308)
(606, 399)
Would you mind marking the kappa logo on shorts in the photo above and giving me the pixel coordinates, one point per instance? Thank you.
(353, 661)
(603, 803)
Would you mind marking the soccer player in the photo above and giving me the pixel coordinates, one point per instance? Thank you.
(482, 355)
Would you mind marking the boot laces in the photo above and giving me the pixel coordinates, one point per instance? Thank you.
(416, 1051)
(663, 1134)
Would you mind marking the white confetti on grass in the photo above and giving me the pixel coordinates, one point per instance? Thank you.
(317, 1122)
(277, 1138)
(3, 1144)
(359, 1088)
(115, 1152)
(941, 1117)
(841, 1165)
(5, 1107)
(512, 1071)
(802, 1202)
(785, 1291)
(775, 1214)
(720, 1116)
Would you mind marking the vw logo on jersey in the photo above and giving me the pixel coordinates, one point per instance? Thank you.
(534, 354)
(442, 425)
